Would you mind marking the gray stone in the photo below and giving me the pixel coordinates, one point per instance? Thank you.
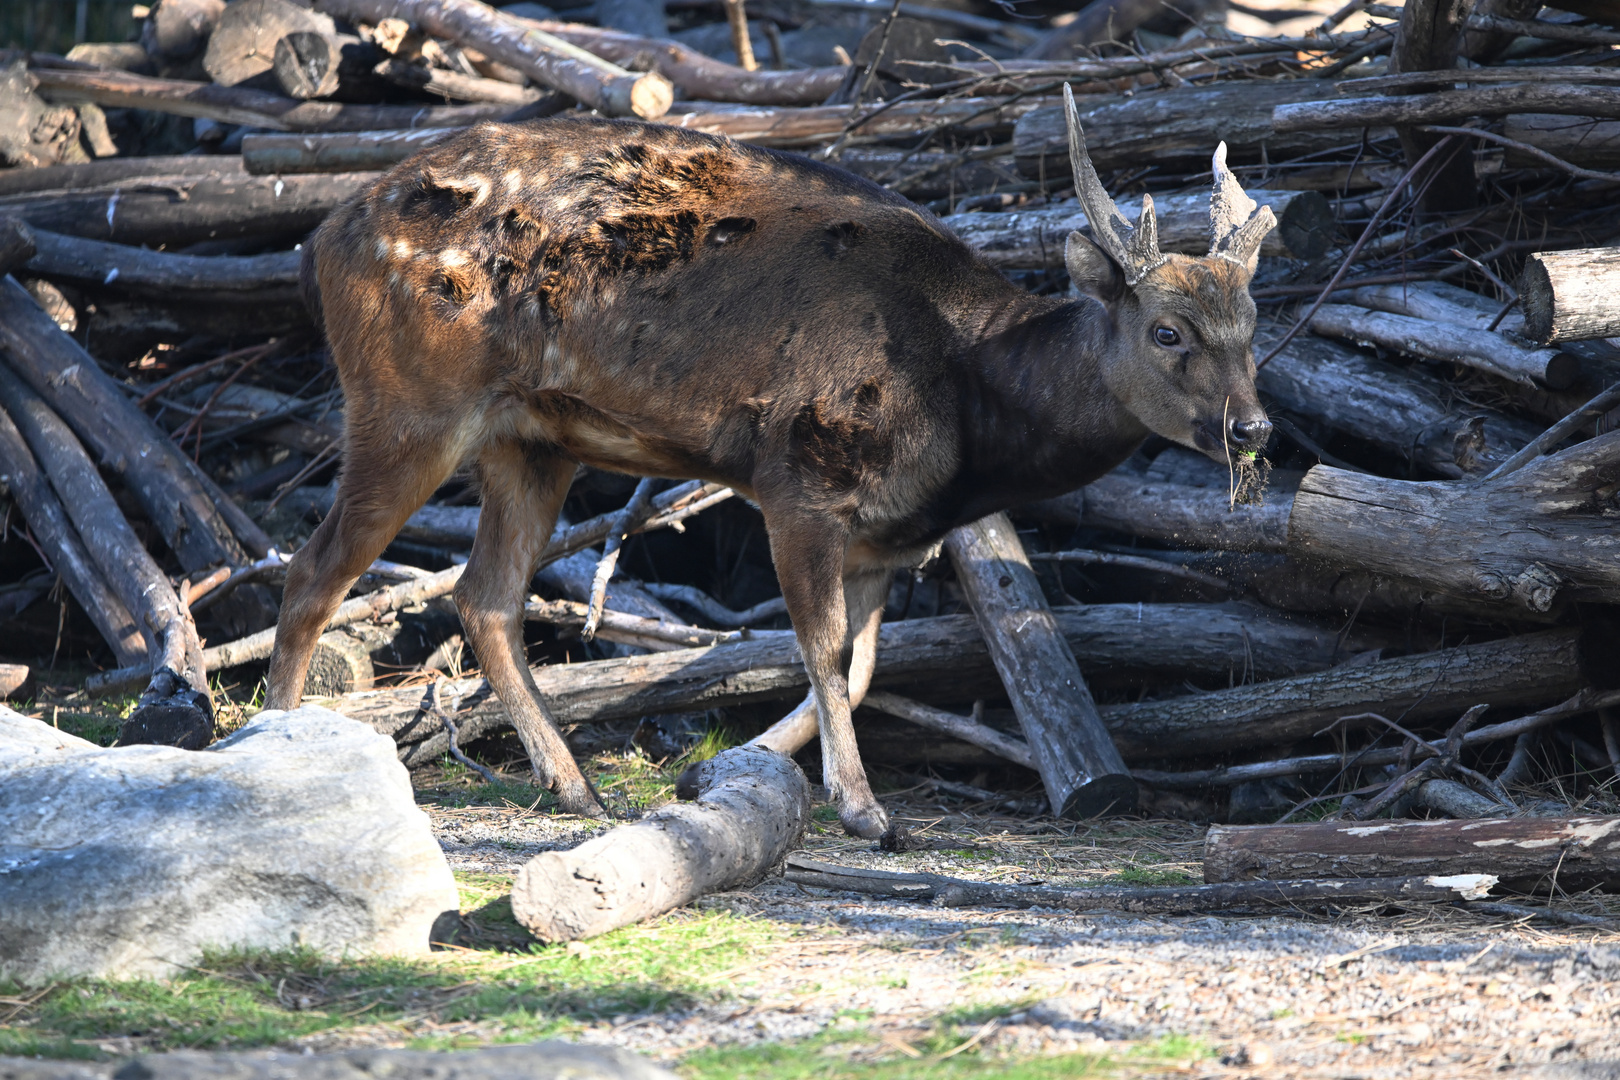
(537, 1061)
(298, 830)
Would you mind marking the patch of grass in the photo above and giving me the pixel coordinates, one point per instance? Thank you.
(240, 1000)
(1138, 875)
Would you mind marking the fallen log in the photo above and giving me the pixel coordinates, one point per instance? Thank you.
(1571, 295)
(1035, 239)
(122, 437)
(1546, 31)
(808, 126)
(30, 489)
(183, 209)
(461, 87)
(335, 153)
(1524, 670)
(964, 728)
(1428, 39)
(1450, 343)
(176, 30)
(242, 46)
(1405, 412)
(262, 278)
(1083, 773)
(1142, 900)
(546, 59)
(176, 708)
(1581, 851)
(702, 77)
(242, 105)
(1580, 140)
(1177, 127)
(752, 807)
(1436, 301)
(943, 657)
(17, 244)
(1172, 513)
(1547, 534)
(1444, 107)
(94, 174)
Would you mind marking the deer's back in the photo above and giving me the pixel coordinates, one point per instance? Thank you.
(669, 301)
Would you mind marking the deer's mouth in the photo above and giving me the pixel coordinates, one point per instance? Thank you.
(1207, 438)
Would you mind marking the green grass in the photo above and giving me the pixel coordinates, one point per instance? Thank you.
(528, 991)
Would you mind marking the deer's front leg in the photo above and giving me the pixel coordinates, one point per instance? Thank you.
(809, 555)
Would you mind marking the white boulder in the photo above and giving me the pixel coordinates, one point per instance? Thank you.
(298, 830)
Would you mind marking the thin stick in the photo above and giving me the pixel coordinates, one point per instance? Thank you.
(1557, 433)
(453, 734)
(632, 516)
(1534, 151)
(1134, 562)
(877, 57)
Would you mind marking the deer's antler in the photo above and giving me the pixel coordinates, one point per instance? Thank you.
(1135, 248)
(1239, 226)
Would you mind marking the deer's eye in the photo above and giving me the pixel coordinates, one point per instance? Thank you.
(1167, 337)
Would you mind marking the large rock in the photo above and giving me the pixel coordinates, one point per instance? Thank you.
(537, 1061)
(300, 829)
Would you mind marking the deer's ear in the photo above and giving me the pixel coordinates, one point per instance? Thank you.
(1092, 271)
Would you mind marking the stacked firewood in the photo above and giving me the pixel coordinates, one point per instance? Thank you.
(1432, 530)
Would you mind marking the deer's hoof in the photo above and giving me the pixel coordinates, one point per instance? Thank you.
(868, 821)
(581, 803)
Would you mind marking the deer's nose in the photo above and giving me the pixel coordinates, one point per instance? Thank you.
(1249, 434)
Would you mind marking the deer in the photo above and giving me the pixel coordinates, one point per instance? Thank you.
(525, 298)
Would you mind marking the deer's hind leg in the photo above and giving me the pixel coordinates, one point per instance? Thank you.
(378, 489)
(524, 485)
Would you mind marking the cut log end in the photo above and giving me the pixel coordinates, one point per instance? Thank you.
(180, 721)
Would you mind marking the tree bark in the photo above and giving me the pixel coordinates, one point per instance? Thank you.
(48, 521)
(1035, 239)
(242, 105)
(1082, 771)
(263, 278)
(1428, 39)
(338, 152)
(1581, 850)
(1162, 900)
(944, 658)
(1447, 106)
(808, 126)
(460, 87)
(59, 179)
(1521, 539)
(177, 30)
(123, 437)
(1571, 295)
(176, 707)
(1405, 412)
(184, 209)
(1171, 513)
(752, 807)
(1525, 670)
(1450, 343)
(1179, 127)
(547, 60)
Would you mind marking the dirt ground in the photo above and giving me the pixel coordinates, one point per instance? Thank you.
(1430, 992)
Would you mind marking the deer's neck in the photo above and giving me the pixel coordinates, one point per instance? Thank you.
(1042, 421)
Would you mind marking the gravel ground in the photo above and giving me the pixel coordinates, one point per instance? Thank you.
(1434, 992)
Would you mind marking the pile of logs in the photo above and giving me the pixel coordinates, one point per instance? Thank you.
(1439, 346)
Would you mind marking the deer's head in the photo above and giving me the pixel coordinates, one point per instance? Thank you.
(1181, 358)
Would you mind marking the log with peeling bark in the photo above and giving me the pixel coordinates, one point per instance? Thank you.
(262, 278)
(1585, 141)
(1082, 771)
(1522, 851)
(1035, 239)
(752, 807)
(944, 658)
(1571, 295)
(548, 60)
(1523, 539)
(1449, 343)
(182, 209)
(242, 105)
(176, 707)
(1438, 302)
(122, 437)
(1143, 900)
(459, 87)
(1327, 114)
(1526, 670)
(1405, 412)
(1174, 128)
(1174, 513)
(30, 489)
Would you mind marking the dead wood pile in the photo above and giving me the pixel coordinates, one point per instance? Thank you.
(1433, 528)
